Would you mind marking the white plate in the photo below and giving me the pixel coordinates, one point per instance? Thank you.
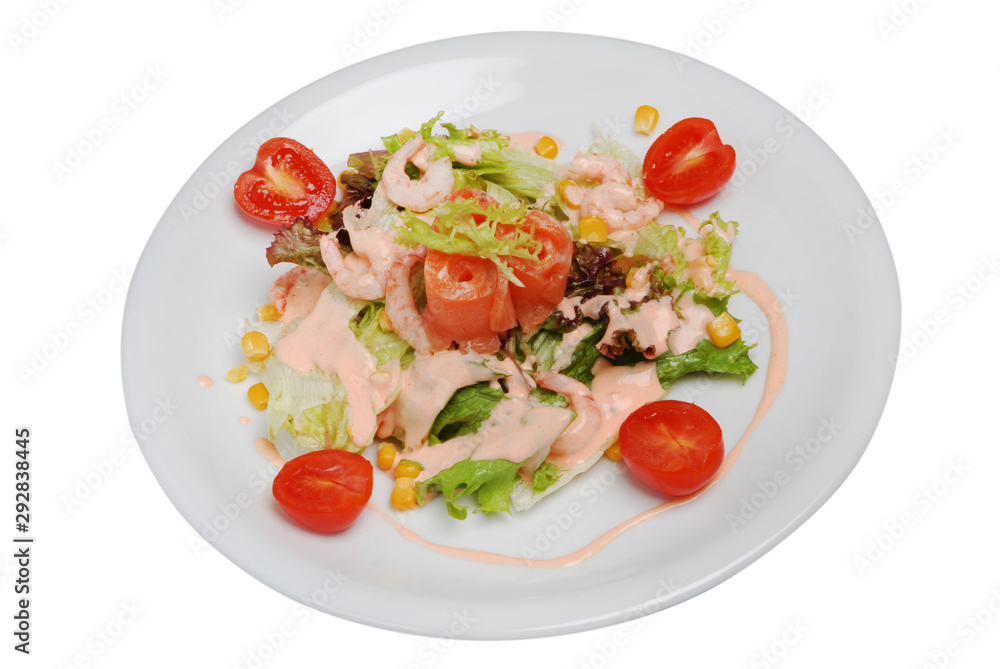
(803, 229)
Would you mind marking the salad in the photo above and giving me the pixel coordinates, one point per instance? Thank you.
(484, 316)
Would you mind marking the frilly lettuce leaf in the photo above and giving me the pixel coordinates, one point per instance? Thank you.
(299, 244)
(719, 247)
(490, 480)
(456, 230)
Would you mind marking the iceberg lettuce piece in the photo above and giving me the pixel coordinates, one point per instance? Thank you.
(311, 407)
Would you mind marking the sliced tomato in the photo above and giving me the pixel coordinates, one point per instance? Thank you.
(466, 295)
(688, 163)
(544, 280)
(287, 181)
(324, 490)
(672, 446)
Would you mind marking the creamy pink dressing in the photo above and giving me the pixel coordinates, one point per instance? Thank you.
(244, 420)
(205, 381)
(323, 340)
(515, 431)
(693, 325)
(425, 388)
(296, 292)
(268, 451)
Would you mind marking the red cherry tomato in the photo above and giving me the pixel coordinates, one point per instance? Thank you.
(324, 490)
(688, 163)
(671, 446)
(287, 181)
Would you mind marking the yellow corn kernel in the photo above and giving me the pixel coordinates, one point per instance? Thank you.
(546, 147)
(570, 193)
(614, 452)
(383, 321)
(593, 229)
(408, 469)
(258, 396)
(255, 346)
(268, 312)
(237, 374)
(724, 330)
(405, 134)
(386, 456)
(404, 494)
(630, 277)
(646, 118)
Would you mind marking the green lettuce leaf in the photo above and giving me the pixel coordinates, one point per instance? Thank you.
(465, 411)
(585, 355)
(490, 480)
(719, 247)
(706, 357)
(658, 241)
(385, 346)
(546, 474)
(715, 303)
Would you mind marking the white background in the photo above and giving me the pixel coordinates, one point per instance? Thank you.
(899, 568)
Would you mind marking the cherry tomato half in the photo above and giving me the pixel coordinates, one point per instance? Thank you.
(324, 490)
(688, 163)
(672, 446)
(287, 181)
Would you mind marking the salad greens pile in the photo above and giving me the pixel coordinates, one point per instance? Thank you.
(310, 411)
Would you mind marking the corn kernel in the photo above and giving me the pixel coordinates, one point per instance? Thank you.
(386, 456)
(405, 134)
(646, 118)
(724, 330)
(546, 147)
(404, 494)
(408, 469)
(383, 321)
(237, 374)
(258, 396)
(614, 452)
(570, 193)
(255, 346)
(268, 312)
(593, 229)
(630, 277)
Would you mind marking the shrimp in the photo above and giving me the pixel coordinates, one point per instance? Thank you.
(351, 272)
(399, 305)
(598, 168)
(582, 439)
(617, 203)
(362, 273)
(435, 182)
(296, 292)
